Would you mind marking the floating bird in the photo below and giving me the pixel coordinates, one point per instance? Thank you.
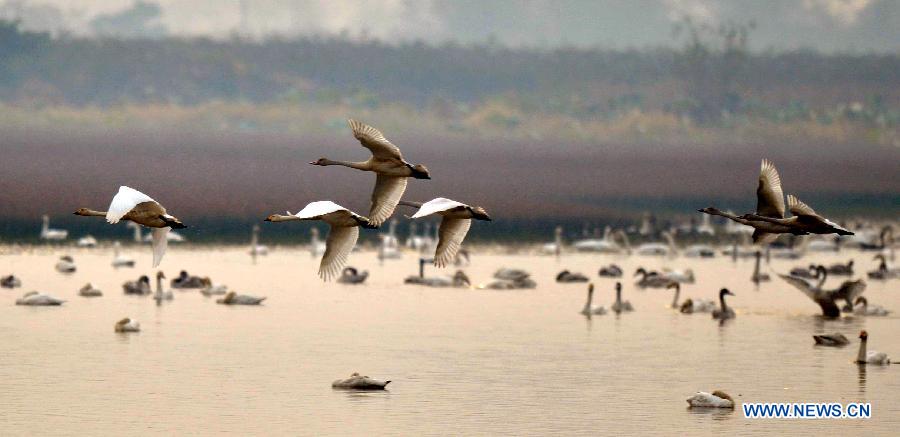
(160, 294)
(86, 241)
(352, 276)
(619, 305)
(34, 298)
(209, 289)
(51, 234)
(391, 169)
(141, 286)
(836, 339)
(459, 280)
(257, 249)
(865, 310)
(690, 306)
(65, 264)
(316, 246)
(651, 279)
(357, 382)
(233, 298)
(716, 399)
(883, 272)
(805, 273)
(567, 276)
(89, 291)
(724, 312)
(826, 299)
(872, 357)
(137, 207)
(341, 238)
(804, 221)
(10, 282)
(120, 260)
(683, 276)
(127, 325)
(457, 217)
(610, 271)
(589, 309)
(841, 269)
(184, 280)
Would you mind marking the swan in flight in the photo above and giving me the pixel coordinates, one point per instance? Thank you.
(141, 286)
(357, 382)
(865, 310)
(724, 312)
(804, 221)
(589, 309)
(836, 339)
(137, 207)
(233, 298)
(34, 298)
(690, 306)
(769, 205)
(388, 164)
(51, 234)
(826, 299)
(344, 231)
(120, 260)
(160, 294)
(10, 282)
(716, 399)
(619, 305)
(127, 325)
(89, 291)
(66, 264)
(457, 217)
(872, 357)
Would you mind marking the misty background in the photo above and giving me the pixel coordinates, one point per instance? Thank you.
(582, 113)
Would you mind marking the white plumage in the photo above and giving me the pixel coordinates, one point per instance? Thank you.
(125, 200)
(455, 224)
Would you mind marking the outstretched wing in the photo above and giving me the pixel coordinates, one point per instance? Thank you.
(769, 197)
(797, 207)
(436, 205)
(338, 246)
(800, 284)
(849, 290)
(450, 237)
(126, 199)
(160, 242)
(375, 141)
(387, 193)
(763, 238)
(319, 208)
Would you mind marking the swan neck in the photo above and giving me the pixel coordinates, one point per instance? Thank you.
(722, 301)
(861, 355)
(356, 165)
(675, 299)
(93, 213)
(284, 218)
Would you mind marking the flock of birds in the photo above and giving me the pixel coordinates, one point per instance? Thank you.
(392, 173)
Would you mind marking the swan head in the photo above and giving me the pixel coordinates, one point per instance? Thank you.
(618, 287)
(419, 171)
(722, 395)
(159, 275)
(591, 288)
(320, 161)
(710, 210)
(674, 284)
(861, 300)
(640, 271)
(479, 213)
(725, 291)
(863, 335)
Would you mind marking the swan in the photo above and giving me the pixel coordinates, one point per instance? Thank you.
(871, 357)
(769, 205)
(160, 294)
(690, 306)
(619, 305)
(699, 250)
(651, 279)
(352, 276)
(866, 310)
(716, 399)
(65, 264)
(89, 291)
(805, 273)
(841, 269)
(344, 231)
(127, 325)
(51, 234)
(357, 382)
(757, 275)
(826, 299)
(455, 222)
(233, 298)
(10, 282)
(724, 312)
(804, 220)
(210, 289)
(316, 246)
(683, 276)
(589, 309)
(883, 272)
(184, 280)
(137, 207)
(389, 248)
(120, 260)
(567, 276)
(836, 339)
(554, 248)
(390, 168)
(87, 241)
(611, 271)
(509, 279)
(604, 245)
(459, 279)
(658, 248)
(257, 249)
(34, 298)
(141, 286)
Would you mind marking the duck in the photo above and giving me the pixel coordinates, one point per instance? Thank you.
(883, 272)
(233, 298)
(210, 289)
(257, 249)
(769, 204)
(161, 294)
(567, 276)
(619, 305)
(690, 306)
(871, 357)
(184, 280)
(589, 309)
(120, 260)
(89, 291)
(344, 231)
(716, 399)
(651, 279)
(841, 269)
(758, 276)
(137, 207)
(865, 310)
(66, 264)
(352, 276)
(51, 234)
(141, 286)
(826, 299)
(389, 166)
(610, 271)
(724, 312)
(456, 218)
(127, 325)
(836, 339)
(357, 382)
(34, 298)
(10, 281)
(805, 220)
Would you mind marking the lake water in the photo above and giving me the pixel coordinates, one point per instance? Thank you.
(462, 362)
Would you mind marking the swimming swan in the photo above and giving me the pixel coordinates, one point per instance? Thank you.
(619, 305)
(34, 298)
(724, 312)
(160, 294)
(89, 291)
(65, 264)
(357, 382)
(141, 286)
(610, 271)
(865, 310)
(233, 298)
(589, 309)
(836, 339)
(10, 282)
(716, 399)
(871, 357)
(120, 260)
(455, 222)
(690, 306)
(352, 276)
(567, 276)
(127, 325)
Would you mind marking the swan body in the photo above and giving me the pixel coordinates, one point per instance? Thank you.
(137, 207)
(184, 280)
(716, 399)
(690, 306)
(651, 279)
(455, 222)
(86, 241)
(841, 269)
(391, 170)
(210, 289)
(34, 298)
(826, 299)
(611, 271)
(120, 260)
(620, 306)
(869, 357)
(567, 276)
(344, 231)
(52, 234)
(10, 282)
(89, 291)
(352, 276)
(699, 250)
(357, 382)
(863, 308)
(65, 264)
(604, 245)
(589, 309)
(233, 298)
(805, 220)
(724, 312)
(682, 276)
(836, 339)
(141, 286)
(127, 325)
(459, 279)
(161, 294)
(883, 272)
(257, 249)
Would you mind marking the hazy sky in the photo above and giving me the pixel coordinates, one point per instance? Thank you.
(827, 25)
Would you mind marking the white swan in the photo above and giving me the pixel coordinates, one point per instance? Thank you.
(51, 234)
(390, 246)
(619, 305)
(690, 306)
(210, 289)
(357, 382)
(607, 244)
(65, 264)
(161, 294)
(316, 246)
(871, 357)
(554, 248)
(34, 298)
(863, 308)
(683, 276)
(456, 220)
(87, 241)
(89, 291)
(135, 206)
(120, 260)
(716, 399)
(589, 309)
(658, 248)
(724, 312)
(232, 298)
(390, 168)
(341, 238)
(257, 249)
(127, 325)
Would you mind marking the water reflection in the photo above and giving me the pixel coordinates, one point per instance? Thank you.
(861, 369)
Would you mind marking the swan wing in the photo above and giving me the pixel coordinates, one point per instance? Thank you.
(800, 284)
(375, 141)
(319, 208)
(763, 238)
(439, 204)
(385, 197)
(160, 241)
(338, 246)
(126, 199)
(451, 236)
(799, 208)
(769, 197)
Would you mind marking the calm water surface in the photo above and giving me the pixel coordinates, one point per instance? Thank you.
(462, 361)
